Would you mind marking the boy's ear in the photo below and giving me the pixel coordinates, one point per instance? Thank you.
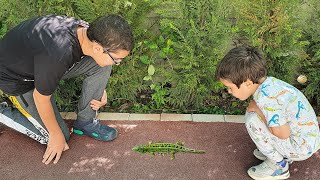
(249, 83)
(96, 47)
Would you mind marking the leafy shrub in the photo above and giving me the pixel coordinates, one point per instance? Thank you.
(200, 32)
(272, 27)
(311, 66)
(178, 44)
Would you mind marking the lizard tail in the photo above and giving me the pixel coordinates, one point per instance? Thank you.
(196, 151)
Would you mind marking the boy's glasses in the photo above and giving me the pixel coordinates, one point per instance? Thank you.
(115, 61)
(105, 51)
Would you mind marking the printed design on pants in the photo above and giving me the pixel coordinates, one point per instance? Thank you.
(42, 130)
(10, 122)
(271, 146)
(41, 139)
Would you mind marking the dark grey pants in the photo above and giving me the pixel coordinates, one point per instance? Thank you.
(26, 119)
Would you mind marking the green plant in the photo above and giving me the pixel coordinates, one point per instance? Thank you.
(178, 44)
(272, 26)
(200, 32)
(312, 89)
(67, 94)
(311, 66)
(13, 12)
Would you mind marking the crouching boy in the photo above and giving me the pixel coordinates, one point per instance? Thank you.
(279, 118)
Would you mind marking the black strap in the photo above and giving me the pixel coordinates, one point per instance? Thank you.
(24, 100)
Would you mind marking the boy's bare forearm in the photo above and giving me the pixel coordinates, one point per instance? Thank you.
(266, 123)
(46, 112)
(254, 108)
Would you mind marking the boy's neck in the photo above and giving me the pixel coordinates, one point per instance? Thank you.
(256, 85)
(262, 80)
(85, 43)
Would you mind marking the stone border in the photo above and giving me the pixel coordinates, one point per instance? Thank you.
(164, 117)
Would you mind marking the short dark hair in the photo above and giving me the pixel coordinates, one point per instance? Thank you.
(112, 32)
(240, 64)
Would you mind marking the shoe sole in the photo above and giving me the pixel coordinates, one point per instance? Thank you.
(93, 135)
(260, 157)
(283, 176)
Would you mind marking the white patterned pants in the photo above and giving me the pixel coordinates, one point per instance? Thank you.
(271, 146)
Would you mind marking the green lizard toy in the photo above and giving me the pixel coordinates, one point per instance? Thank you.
(165, 148)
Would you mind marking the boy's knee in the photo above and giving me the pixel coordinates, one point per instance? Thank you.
(101, 73)
(250, 117)
(106, 70)
(252, 121)
(66, 134)
(93, 69)
(67, 137)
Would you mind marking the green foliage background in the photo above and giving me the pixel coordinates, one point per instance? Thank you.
(178, 44)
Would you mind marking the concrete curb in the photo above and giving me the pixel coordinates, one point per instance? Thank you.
(164, 117)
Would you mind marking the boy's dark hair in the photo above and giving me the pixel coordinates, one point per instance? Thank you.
(240, 64)
(112, 32)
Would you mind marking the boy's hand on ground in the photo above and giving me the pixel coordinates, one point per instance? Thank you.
(66, 147)
(96, 105)
(56, 145)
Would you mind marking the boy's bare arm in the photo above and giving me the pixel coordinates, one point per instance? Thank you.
(56, 144)
(253, 107)
(282, 132)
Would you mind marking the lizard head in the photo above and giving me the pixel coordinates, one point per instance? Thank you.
(140, 149)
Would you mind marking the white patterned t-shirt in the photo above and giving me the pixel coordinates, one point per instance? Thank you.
(282, 103)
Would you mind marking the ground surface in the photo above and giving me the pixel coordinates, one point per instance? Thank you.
(228, 154)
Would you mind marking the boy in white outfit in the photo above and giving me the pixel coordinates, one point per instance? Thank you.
(279, 118)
